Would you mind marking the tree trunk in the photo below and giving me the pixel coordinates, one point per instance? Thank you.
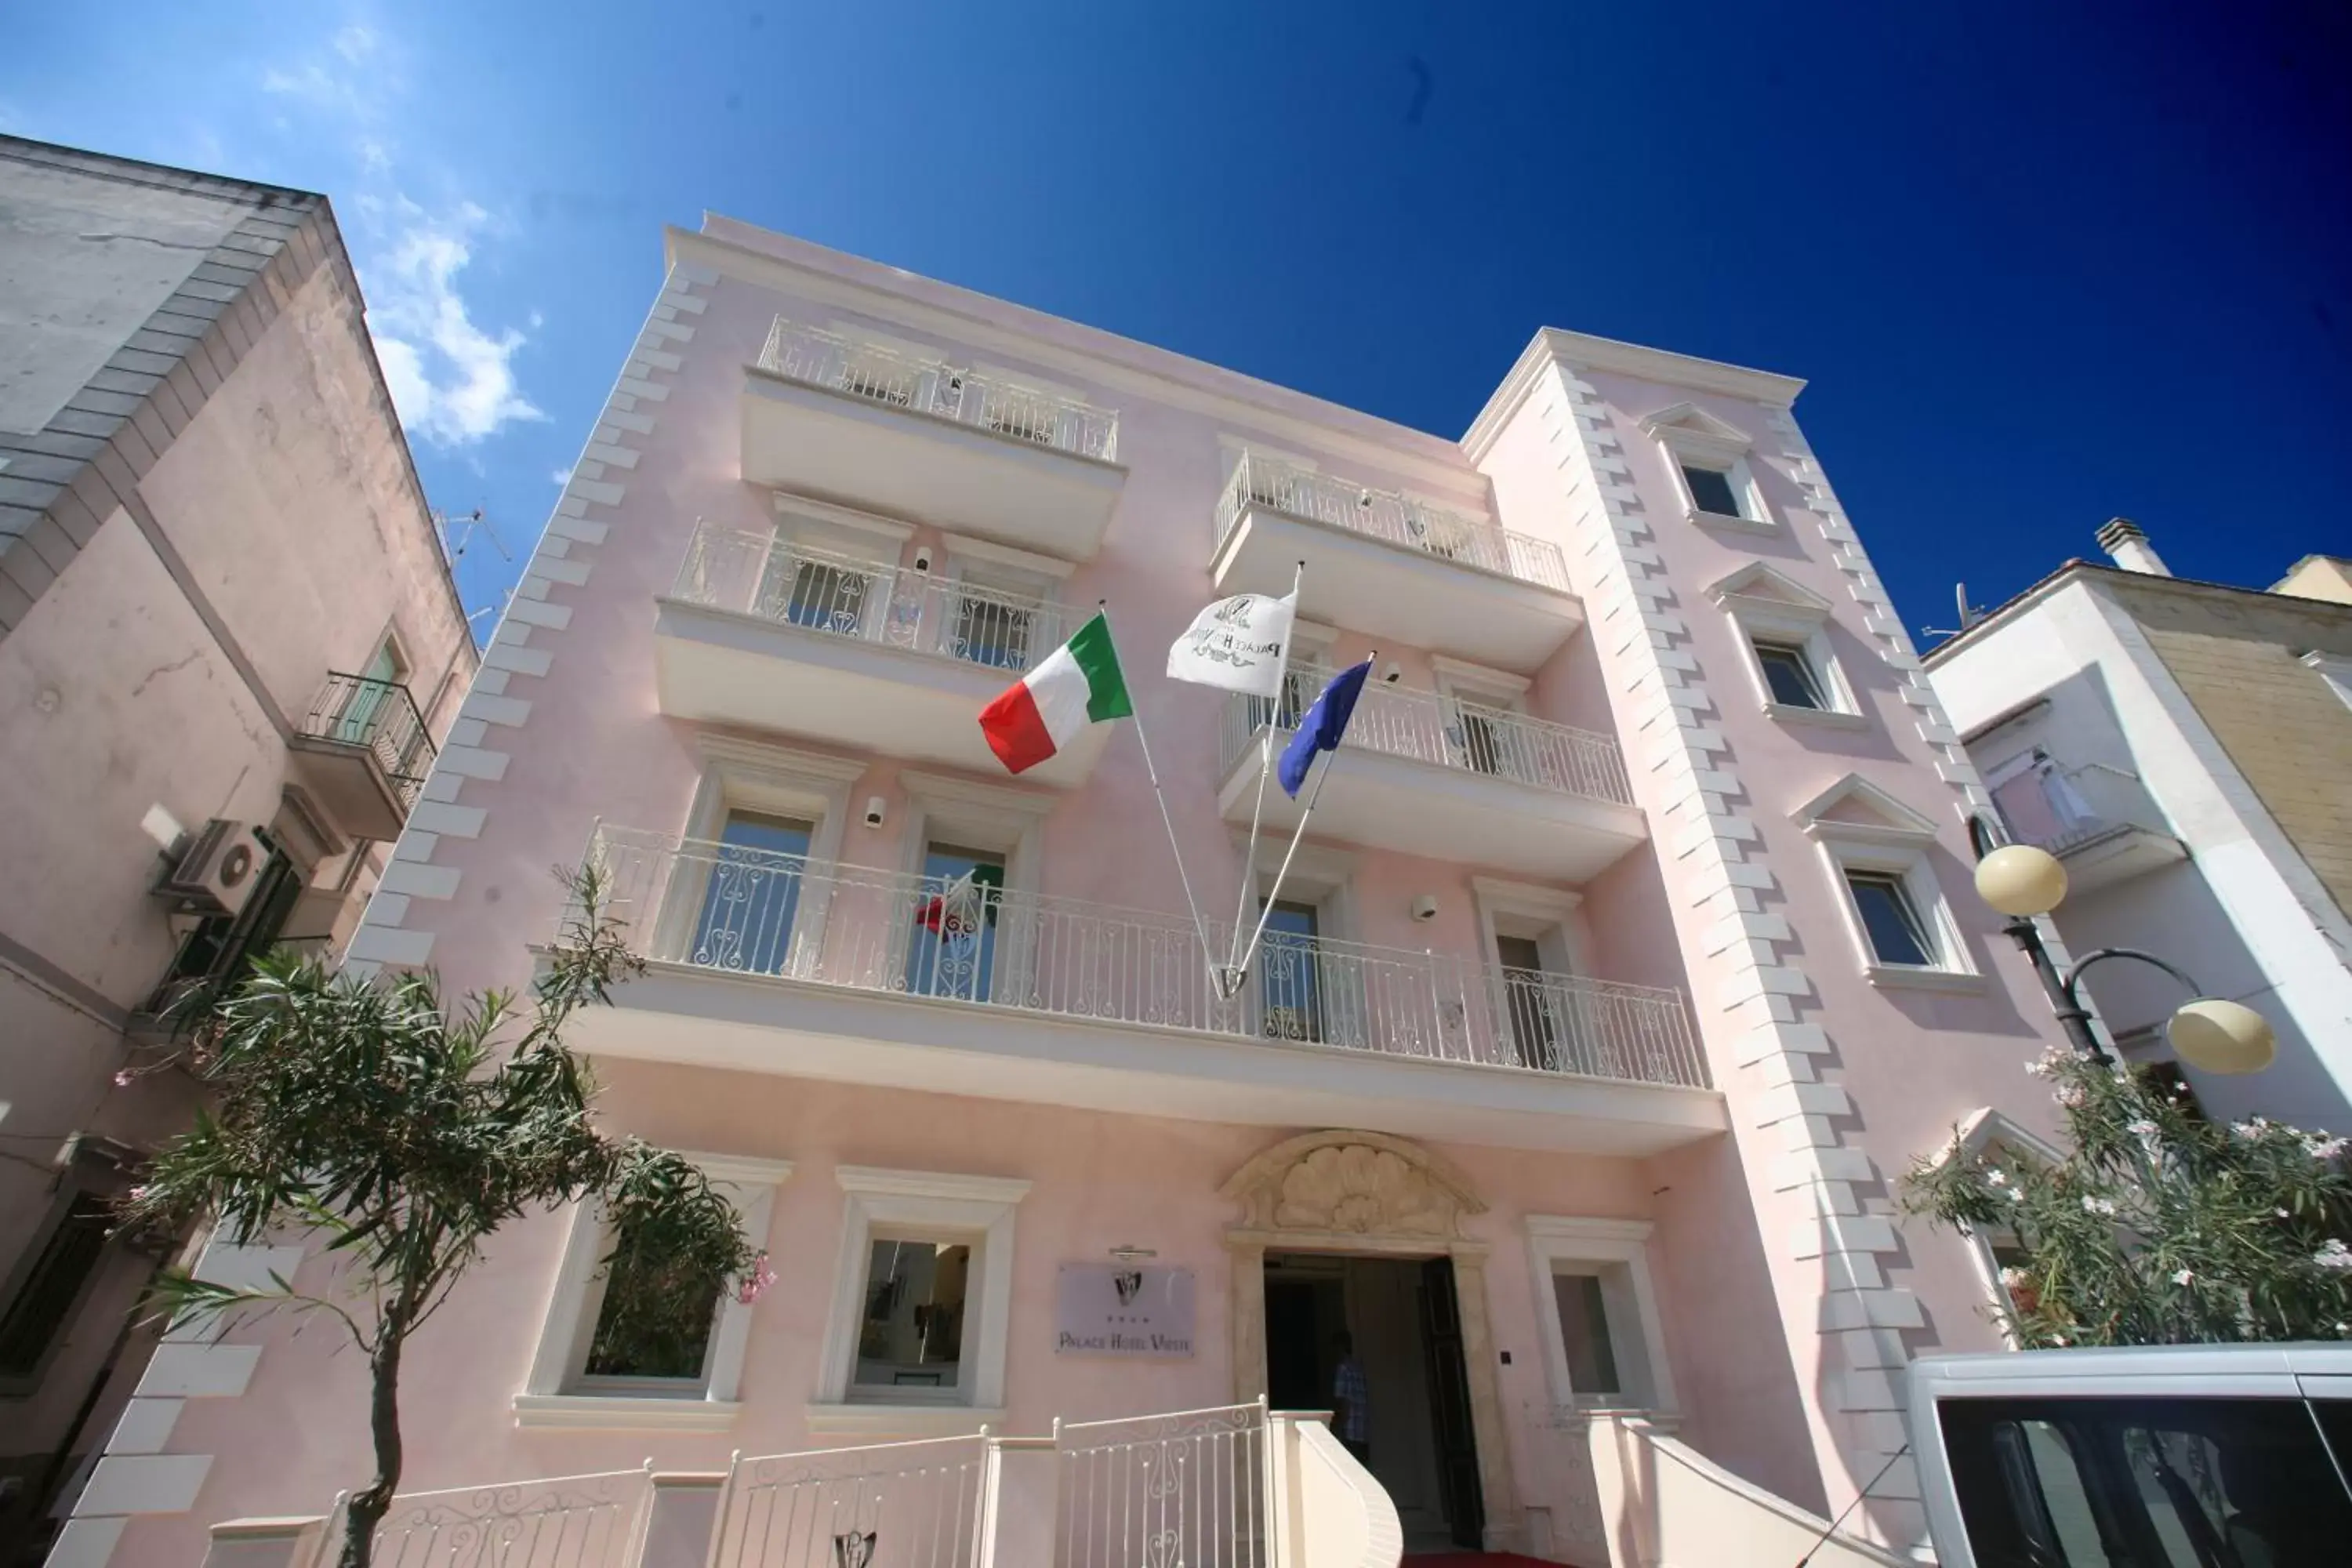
(367, 1508)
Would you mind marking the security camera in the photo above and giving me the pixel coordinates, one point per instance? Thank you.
(874, 811)
(922, 560)
(1392, 675)
(1425, 908)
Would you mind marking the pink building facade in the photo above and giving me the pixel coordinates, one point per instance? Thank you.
(1629, 963)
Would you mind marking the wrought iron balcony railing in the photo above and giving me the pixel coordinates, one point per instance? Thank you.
(379, 717)
(746, 912)
(1262, 481)
(887, 376)
(865, 601)
(1426, 727)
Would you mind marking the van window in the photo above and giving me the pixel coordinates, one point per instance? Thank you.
(2145, 1483)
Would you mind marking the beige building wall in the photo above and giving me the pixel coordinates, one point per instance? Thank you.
(222, 514)
(2242, 664)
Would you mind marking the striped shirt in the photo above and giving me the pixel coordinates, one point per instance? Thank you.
(1348, 1387)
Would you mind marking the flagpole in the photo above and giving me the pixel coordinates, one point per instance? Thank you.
(1200, 931)
(1296, 834)
(1234, 966)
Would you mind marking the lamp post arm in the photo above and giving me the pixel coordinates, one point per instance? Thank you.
(2074, 976)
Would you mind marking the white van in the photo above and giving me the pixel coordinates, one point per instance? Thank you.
(2168, 1456)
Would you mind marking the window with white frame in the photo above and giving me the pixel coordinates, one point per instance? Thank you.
(1876, 852)
(1002, 608)
(830, 569)
(1994, 1250)
(922, 1302)
(1481, 733)
(1709, 459)
(1785, 628)
(1532, 942)
(1303, 986)
(754, 866)
(1602, 1346)
(622, 1347)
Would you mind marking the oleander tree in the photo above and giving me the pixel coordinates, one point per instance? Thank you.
(2155, 1226)
(392, 1133)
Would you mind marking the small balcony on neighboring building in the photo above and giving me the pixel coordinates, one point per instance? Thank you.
(361, 755)
(765, 960)
(1430, 774)
(2100, 821)
(775, 634)
(872, 426)
(1384, 562)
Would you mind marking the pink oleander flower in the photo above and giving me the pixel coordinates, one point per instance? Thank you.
(755, 1283)
(137, 1194)
(2184, 1277)
(123, 1077)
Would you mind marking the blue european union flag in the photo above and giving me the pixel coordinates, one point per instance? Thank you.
(1320, 728)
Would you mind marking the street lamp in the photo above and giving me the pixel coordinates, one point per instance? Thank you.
(2207, 1032)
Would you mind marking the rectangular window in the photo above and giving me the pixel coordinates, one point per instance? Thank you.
(910, 1337)
(1790, 675)
(650, 1328)
(1711, 490)
(1529, 1002)
(754, 892)
(951, 951)
(1897, 935)
(1584, 1331)
(54, 1285)
(993, 630)
(1289, 973)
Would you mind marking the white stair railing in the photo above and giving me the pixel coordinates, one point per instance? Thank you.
(562, 1522)
(1160, 1492)
(892, 1505)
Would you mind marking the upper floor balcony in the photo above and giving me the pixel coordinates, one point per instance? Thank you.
(767, 632)
(2100, 821)
(1384, 562)
(362, 754)
(773, 961)
(873, 426)
(1430, 774)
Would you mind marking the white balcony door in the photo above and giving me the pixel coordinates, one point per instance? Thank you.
(952, 941)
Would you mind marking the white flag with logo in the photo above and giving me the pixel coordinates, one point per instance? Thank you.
(1238, 644)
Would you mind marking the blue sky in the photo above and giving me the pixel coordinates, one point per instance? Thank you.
(2041, 266)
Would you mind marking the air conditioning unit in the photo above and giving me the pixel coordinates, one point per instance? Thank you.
(220, 867)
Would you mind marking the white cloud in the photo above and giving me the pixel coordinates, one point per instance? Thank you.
(452, 382)
(562, 477)
(452, 378)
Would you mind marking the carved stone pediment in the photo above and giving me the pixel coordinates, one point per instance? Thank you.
(1353, 1183)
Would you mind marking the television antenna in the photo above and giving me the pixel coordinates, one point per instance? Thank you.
(457, 534)
(1968, 616)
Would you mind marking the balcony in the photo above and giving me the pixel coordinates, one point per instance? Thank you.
(870, 425)
(770, 963)
(1382, 561)
(2100, 821)
(362, 754)
(1426, 774)
(865, 654)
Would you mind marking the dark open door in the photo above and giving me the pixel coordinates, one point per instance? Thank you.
(1449, 1401)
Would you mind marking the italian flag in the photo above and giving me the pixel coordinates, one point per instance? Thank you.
(1076, 685)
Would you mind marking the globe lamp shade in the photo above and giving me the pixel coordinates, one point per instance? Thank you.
(2218, 1036)
(2019, 879)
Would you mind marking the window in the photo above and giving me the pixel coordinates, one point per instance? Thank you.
(1896, 933)
(951, 949)
(1289, 967)
(51, 1287)
(752, 893)
(1709, 459)
(623, 1346)
(1787, 628)
(1526, 928)
(922, 1303)
(1789, 675)
(2180, 1482)
(650, 1330)
(1599, 1314)
(1876, 851)
(912, 1334)
(1711, 492)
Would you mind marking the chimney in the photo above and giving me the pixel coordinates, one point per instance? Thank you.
(2122, 540)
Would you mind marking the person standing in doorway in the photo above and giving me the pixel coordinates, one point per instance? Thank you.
(1352, 1411)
